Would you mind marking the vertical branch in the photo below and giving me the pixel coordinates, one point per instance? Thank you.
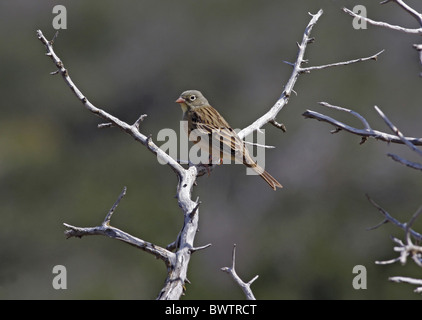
(246, 287)
(178, 262)
(298, 69)
(288, 89)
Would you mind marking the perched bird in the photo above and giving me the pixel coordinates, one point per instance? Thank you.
(215, 135)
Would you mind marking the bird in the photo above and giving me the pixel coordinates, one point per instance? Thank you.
(215, 136)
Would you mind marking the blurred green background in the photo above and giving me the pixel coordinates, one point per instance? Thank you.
(135, 57)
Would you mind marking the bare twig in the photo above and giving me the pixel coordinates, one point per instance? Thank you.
(280, 126)
(105, 229)
(410, 164)
(140, 119)
(246, 287)
(405, 251)
(105, 125)
(410, 10)
(412, 221)
(354, 113)
(406, 248)
(130, 129)
(389, 218)
(417, 282)
(113, 208)
(384, 24)
(417, 15)
(388, 261)
(367, 132)
(393, 128)
(343, 63)
(397, 132)
(284, 98)
(200, 248)
(298, 69)
(177, 262)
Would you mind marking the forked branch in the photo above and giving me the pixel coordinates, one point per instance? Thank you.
(368, 132)
(298, 69)
(105, 229)
(406, 248)
(388, 25)
(414, 13)
(246, 287)
(177, 262)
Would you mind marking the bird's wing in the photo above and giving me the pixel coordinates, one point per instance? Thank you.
(208, 121)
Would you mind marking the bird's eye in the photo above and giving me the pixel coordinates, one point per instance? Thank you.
(192, 98)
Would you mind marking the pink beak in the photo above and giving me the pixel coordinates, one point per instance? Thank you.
(180, 100)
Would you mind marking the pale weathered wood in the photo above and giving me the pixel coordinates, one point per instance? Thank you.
(177, 254)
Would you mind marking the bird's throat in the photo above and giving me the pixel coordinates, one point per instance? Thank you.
(184, 107)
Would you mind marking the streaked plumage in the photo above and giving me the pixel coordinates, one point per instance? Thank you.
(218, 138)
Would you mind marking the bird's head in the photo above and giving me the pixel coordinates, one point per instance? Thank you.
(191, 99)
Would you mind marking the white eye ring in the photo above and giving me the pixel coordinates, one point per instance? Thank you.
(192, 98)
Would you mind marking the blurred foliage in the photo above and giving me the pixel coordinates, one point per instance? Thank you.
(135, 57)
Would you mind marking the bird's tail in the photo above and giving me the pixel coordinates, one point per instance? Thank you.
(266, 176)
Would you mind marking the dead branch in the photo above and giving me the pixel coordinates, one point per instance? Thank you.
(384, 24)
(389, 218)
(105, 229)
(177, 262)
(415, 14)
(405, 248)
(368, 132)
(298, 69)
(413, 281)
(246, 287)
